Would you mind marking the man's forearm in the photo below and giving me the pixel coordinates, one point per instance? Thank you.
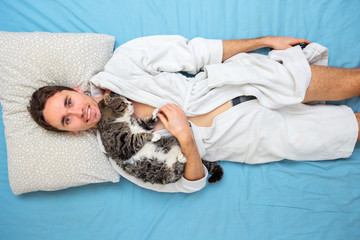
(175, 121)
(194, 169)
(233, 47)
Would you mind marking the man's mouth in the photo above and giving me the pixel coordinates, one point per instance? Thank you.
(88, 114)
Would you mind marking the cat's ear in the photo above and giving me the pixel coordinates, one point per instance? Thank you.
(107, 99)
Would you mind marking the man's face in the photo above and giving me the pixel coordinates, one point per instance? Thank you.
(71, 111)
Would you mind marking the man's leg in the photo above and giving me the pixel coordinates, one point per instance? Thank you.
(332, 84)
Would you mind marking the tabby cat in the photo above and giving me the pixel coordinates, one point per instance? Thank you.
(130, 142)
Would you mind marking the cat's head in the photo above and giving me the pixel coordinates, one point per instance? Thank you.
(113, 107)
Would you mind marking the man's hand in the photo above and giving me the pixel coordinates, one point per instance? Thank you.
(281, 43)
(175, 121)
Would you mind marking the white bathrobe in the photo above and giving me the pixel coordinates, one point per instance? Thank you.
(270, 128)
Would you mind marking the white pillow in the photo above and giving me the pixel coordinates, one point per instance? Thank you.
(39, 159)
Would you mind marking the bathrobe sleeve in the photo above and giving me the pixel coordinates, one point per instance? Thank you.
(182, 185)
(155, 54)
(277, 80)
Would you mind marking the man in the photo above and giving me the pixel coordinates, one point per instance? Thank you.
(273, 126)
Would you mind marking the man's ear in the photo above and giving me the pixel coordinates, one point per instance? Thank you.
(79, 89)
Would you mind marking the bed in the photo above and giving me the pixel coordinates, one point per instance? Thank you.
(281, 200)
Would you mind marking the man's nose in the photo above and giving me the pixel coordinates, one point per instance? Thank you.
(76, 111)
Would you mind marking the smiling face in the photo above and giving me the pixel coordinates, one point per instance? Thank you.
(72, 111)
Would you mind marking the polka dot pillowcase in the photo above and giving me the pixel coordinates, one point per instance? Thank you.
(39, 159)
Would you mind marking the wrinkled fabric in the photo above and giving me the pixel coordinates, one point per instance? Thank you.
(273, 127)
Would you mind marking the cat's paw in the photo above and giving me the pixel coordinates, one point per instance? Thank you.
(156, 137)
(181, 158)
(154, 113)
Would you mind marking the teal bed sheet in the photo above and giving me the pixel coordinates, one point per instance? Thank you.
(282, 200)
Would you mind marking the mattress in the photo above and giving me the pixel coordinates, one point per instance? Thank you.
(281, 200)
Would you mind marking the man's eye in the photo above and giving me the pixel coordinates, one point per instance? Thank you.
(67, 120)
(69, 102)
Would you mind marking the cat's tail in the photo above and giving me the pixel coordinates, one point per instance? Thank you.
(215, 170)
